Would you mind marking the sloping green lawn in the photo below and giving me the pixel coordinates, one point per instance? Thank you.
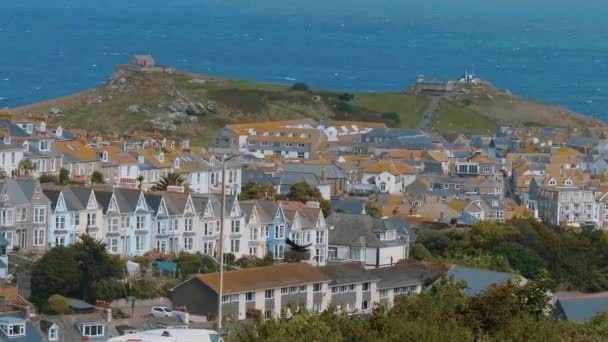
(452, 117)
(408, 106)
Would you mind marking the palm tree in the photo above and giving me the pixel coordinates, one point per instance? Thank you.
(170, 179)
(26, 166)
(140, 180)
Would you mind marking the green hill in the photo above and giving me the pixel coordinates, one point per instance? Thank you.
(198, 105)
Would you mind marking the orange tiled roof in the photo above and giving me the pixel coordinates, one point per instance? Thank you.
(76, 149)
(437, 155)
(117, 155)
(261, 278)
(151, 157)
(403, 154)
(389, 166)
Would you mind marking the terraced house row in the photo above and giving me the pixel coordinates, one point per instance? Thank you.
(132, 222)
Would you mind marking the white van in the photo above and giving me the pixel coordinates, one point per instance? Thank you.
(171, 335)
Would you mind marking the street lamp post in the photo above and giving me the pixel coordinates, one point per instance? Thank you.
(221, 247)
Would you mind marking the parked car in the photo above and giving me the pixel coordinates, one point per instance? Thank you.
(161, 311)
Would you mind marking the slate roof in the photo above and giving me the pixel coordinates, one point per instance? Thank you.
(13, 129)
(331, 171)
(348, 206)
(478, 281)
(256, 176)
(31, 332)
(582, 306)
(347, 273)
(358, 230)
(261, 278)
(407, 273)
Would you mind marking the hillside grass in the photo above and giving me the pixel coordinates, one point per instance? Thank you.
(408, 106)
(453, 117)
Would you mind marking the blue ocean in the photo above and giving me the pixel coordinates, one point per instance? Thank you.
(553, 51)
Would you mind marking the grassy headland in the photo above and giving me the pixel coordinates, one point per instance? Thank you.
(198, 105)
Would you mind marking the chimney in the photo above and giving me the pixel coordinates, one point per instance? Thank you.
(107, 310)
(323, 174)
(175, 188)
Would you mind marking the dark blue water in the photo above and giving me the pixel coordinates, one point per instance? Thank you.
(552, 51)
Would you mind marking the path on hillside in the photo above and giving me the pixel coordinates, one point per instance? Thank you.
(429, 113)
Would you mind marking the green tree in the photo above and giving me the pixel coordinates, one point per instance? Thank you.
(189, 264)
(25, 167)
(253, 190)
(373, 210)
(170, 179)
(57, 305)
(97, 178)
(64, 176)
(95, 264)
(303, 192)
(57, 272)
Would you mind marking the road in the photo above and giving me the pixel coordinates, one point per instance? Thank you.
(429, 113)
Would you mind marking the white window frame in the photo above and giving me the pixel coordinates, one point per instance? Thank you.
(39, 215)
(39, 237)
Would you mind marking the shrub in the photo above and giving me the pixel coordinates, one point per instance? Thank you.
(56, 305)
(48, 179)
(300, 86)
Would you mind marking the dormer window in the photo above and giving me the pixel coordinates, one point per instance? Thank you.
(495, 203)
(59, 132)
(92, 330)
(12, 328)
(26, 145)
(29, 128)
(568, 182)
(53, 333)
(176, 163)
(161, 157)
(104, 156)
(7, 140)
(140, 159)
(42, 127)
(43, 145)
(552, 182)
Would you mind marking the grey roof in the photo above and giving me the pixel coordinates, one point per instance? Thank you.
(13, 129)
(290, 178)
(466, 219)
(406, 274)
(78, 304)
(478, 281)
(256, 176)
(68, 325)
(31, 332)
(347, 273)
(82, 194)
(581, 142)
(582, 307)
(127, 199)
(21, 192)
(247, 209)
(176, 202)
(348, 206)
(154, 201)
(359, 230)
(403, 227)
(331, 171)
(411, 143)
(72, 202)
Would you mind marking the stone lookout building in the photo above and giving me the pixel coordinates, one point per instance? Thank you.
(433, 86)
(143, 63)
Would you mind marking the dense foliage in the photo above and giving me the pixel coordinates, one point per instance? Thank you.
(503, 313)
(251, 190)
(574, 260)
(74, 271)
(303, 192)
